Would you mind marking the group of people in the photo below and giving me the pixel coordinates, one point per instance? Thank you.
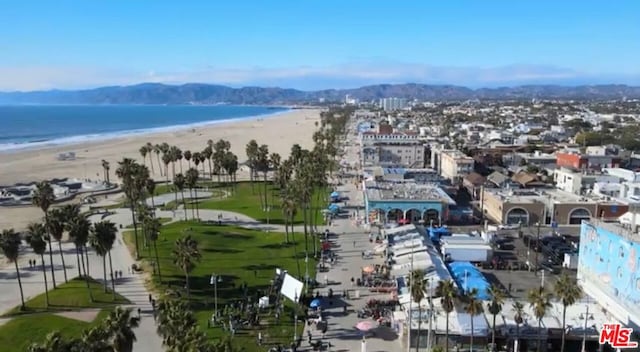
(33, 263)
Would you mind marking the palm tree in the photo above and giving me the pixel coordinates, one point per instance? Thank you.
(166, 160)
(10, 245)
(134, 178)
(150, 187)
(495, 307)
(518, 318)
(105, 169)
(174, 152)
(153, 230)
(149, 147)
(192, 182)
(187, 156)
(55, 226)
(179, 181)
(540, 302)
(102, 238)
(156, 149)
(53, 342)
(448, 293)
(417, 291)
(120, 324)
(568, 292)
(207, 152)
(185, 253)
(94, 339)
(43, 197)
(36, 233)
(252, 155)
(230, 165)
(474, 307)
(143, 152)
(79, 229)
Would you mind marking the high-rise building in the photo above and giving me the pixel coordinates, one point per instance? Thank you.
(391, 104)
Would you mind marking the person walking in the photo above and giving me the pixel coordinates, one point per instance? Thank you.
(259, 338)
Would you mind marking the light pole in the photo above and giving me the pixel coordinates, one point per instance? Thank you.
(306, 271)
(584, 334)
(295, 317)
(537, 244)
(430, 314)
(214, 281)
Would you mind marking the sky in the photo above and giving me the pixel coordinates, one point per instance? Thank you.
(309, 44)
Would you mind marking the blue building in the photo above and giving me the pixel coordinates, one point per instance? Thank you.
(406, 202)
(608, 269)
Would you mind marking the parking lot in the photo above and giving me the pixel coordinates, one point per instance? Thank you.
(510, 270)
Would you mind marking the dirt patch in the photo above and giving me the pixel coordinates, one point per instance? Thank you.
(87, 315)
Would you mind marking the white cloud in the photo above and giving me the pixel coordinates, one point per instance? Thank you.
(352, 74)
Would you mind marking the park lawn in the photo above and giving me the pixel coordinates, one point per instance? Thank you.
(162, 221)
(246, 200)
(238, 256)
(20, 332)
(71, 296)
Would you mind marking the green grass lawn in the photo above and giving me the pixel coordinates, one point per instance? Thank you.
(246, 200)
(71, 296)
(238, 256)
(19, 333)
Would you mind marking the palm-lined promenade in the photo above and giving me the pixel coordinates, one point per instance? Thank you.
(178, 260)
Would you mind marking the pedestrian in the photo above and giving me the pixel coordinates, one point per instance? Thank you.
(310, 338)
(255, 273)
(139, 313)
(150, 298)
(259, 338)
(354, 244)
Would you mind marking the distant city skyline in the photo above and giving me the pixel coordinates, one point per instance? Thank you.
(318, 45)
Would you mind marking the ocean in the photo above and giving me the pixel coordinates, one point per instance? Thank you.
(34, 126)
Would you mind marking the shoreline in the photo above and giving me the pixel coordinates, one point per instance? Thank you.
(14, 147)
(278, 132)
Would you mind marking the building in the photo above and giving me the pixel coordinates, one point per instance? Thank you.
(455, 165)
(579, 182)
(395, 149)
(547, 207)
(405, 202)
(576, 160)
(391, 104)
(609, 269)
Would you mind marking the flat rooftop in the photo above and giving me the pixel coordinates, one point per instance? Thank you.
(546, 196)
(406, 191)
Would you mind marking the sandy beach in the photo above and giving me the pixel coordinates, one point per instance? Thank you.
(279, 132)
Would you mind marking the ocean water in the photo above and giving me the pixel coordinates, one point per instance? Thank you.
(33, 126)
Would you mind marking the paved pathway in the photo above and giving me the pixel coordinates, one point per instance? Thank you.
(350, 243)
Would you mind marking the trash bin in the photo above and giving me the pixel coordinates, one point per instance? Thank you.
(356, 294)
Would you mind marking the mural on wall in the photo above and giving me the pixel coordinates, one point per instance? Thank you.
(611, 262)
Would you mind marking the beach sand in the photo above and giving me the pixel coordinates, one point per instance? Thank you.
(279, 132)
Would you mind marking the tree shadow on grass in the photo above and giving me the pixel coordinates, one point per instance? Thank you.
(238, 236)
(260, 267)
(278, 245)
(222, 250)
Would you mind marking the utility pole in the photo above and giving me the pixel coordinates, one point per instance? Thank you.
(431, 315)
(584, 334)
(410, 315)
(537, 245)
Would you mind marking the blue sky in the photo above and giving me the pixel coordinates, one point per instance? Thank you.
(317, 44)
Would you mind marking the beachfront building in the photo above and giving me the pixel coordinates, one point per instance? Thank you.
(405, 202)
(393, 149)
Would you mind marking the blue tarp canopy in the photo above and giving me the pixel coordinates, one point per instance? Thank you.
(316, 303)
(335, 195)
(468, 277)
(334, 208)
(437, 232)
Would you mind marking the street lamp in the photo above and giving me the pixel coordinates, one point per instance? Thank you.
(214, 281)
(537, 245)
(306, 270)
(267, 210)
(295, 317)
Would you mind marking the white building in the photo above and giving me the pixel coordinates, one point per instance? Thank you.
(454, 164)
(391, 104)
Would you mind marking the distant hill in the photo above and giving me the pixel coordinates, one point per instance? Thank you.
(154, 93)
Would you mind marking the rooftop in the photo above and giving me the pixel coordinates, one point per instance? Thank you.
(406, 191)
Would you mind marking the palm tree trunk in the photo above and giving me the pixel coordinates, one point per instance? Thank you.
(266, 196)
(184, 205)
(86, 280)
(166, 172)
(419, 323)
(151, 162)
(493, 334)
(53, 274)
(539, 335)
(211, 171)
(84, 270)
(173, 169)
(153, 206)
(564, 327)
(113, 282)
(295, 251)
(286, 229)
(471, 340)
(104, 272)
(78, 259)
(64, 267)
(306, 233)
(159, 165)
(135, 230)
(155, 249)
(180, 165)
(446, 334)
(186, 275)
(517, 337)
(46, 285)
(86, 256)
(15, 262)
(193, 214)
(195, 202)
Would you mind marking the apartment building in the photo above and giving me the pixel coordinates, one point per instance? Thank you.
(395, 149)
(455, 165)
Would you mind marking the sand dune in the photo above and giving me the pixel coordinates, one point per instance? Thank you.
(278, 132)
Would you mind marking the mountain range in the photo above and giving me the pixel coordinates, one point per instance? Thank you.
(156, 93)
